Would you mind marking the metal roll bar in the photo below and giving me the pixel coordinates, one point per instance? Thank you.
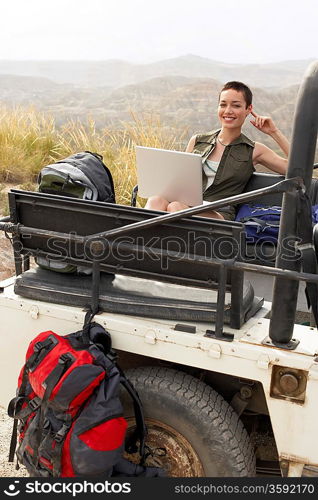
(300, 164)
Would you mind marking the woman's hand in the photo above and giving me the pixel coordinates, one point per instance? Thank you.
(264, 124)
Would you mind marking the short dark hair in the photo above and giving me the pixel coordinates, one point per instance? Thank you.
(239, 87)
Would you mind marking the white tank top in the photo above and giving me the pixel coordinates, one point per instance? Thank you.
(210, 168)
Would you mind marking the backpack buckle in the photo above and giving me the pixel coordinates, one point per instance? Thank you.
(38, 346)
(60, 435)
(44, 344)
(34, 403)
(65, 358)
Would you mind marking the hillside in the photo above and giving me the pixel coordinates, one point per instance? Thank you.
(183, 91)
(182, 102)
(116, 73)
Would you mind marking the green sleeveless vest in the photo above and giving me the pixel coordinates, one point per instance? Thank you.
(234, 170)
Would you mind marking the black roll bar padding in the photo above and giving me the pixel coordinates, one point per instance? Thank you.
(300, 164)
(293, 185)
(199, 260)
(287, 185)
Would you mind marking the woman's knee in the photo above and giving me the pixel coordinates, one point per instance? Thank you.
(157, 203)
(175, 206)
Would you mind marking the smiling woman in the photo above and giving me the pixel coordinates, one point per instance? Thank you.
(228, 156)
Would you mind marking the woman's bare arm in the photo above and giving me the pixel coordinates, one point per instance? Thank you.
(191, 144)
(264, 155)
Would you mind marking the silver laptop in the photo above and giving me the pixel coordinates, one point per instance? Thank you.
(174, 175)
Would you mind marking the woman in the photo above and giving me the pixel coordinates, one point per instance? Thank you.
(228, 156)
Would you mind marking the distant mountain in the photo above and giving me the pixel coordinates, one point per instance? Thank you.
(61, 100)
(181, 102)
(116, 73)
(191, 104)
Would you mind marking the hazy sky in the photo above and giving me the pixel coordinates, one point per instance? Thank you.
(251, 31)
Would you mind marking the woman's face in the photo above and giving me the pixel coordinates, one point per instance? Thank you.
(232, 110)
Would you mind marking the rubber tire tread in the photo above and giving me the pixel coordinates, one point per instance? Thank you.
(201, 415)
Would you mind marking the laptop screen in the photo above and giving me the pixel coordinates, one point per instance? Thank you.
(173, 175)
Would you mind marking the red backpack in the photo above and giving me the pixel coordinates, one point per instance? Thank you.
(68, 408)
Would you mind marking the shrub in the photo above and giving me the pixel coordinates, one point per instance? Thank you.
(29, 140)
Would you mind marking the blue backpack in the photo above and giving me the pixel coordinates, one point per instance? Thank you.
(262, 222)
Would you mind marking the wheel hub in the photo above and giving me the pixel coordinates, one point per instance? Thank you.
(168, 449)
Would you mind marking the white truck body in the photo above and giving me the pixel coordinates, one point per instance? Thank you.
(246, 357)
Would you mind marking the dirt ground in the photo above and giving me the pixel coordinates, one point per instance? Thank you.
(6, 260)
(7, 469)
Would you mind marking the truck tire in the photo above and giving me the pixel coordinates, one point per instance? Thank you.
(192, 430)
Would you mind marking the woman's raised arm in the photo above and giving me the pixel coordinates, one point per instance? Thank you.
(264, 155)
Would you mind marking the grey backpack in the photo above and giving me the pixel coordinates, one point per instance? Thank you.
(81, 175)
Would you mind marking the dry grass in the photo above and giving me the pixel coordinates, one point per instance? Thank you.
(29, 140)
(146, 131)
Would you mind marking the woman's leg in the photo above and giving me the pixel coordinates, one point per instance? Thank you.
(212, 214)
(175, 206)
(157, 203)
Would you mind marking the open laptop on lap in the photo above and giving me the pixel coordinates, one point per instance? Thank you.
(173, 175)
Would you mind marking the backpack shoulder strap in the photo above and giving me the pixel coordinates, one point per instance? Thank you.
(93, 308)
(261, 222)
(63, 363)
(140, 432)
